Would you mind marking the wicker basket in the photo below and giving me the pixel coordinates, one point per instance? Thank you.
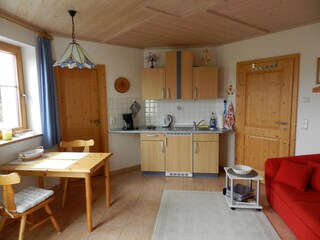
(31, 154)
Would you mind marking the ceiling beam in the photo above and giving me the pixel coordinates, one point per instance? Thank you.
(24, 24)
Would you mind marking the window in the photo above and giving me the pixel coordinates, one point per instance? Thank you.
(12, 100)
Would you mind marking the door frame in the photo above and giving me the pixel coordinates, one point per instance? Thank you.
(102, 95)
(294, 103)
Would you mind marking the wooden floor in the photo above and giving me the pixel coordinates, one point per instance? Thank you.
(135, 201)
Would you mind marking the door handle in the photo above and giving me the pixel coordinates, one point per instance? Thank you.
(281, 122)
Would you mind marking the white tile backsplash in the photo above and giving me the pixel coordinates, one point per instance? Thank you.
(184, 112)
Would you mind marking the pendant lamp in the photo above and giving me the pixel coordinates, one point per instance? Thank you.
(75, 56)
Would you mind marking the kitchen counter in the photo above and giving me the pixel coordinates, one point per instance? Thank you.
(178, 129)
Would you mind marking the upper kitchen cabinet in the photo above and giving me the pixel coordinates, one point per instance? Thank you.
(205, 82)
(153, 83)
(179, 75)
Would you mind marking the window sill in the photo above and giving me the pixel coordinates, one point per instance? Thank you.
(17, 139)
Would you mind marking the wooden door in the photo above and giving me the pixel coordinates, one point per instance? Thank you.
(82, 105)
(153, 83)
(179, 153)
(205, 82)
(266, 103)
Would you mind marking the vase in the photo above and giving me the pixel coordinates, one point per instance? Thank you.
(152, 64)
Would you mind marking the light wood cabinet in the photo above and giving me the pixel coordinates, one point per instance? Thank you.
(153, 83)
(205, 82)
(179, 74)
(152, 152)
(179, 153)
(206, 153)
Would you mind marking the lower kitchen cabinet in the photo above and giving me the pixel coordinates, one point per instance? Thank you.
(152, 152)
(206, 153)
(174, 153)
(179, 153)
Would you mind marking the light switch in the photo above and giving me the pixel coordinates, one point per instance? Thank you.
(304, 123)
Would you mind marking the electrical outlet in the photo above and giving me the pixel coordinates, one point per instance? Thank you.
(112, 121)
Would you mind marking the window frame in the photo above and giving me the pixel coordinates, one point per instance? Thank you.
(16, 50)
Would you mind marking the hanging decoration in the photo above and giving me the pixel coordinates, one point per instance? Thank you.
(230, 91)
(74, 56)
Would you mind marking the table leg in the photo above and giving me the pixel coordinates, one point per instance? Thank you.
(107, 181)
(41, 182)
(88, 201)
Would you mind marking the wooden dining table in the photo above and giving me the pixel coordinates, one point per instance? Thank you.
(66, 165)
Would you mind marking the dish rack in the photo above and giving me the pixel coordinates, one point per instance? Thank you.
(31, 154)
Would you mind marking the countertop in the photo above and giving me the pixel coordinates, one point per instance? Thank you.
(177, 129)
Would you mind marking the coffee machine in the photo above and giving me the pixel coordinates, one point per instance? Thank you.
(128, 121)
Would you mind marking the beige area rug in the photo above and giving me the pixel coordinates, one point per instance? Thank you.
(205, 215)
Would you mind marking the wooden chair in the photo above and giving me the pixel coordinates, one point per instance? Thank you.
(23, 203)
(70, 146)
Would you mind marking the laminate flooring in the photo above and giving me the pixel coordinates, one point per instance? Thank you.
(135, 201)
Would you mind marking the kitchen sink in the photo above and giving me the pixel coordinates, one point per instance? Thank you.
(181, 129)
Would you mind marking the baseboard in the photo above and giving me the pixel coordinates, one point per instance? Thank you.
(124, 170)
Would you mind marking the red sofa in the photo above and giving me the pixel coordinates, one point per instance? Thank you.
(293, 191)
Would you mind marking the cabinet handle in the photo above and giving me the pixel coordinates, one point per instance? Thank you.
(162, 93)
(152, 135)
(168, 93)
(162, 147)
(196, 149)
(165, 142)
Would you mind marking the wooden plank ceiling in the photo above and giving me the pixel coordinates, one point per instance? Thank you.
(165, 23)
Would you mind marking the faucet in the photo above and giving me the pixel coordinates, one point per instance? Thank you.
(195, 125)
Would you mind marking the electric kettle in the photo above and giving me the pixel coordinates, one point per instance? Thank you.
(166, 121)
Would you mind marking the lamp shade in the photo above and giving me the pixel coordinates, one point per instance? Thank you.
(75, 57)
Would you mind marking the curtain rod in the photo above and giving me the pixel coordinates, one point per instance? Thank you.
(39, 31)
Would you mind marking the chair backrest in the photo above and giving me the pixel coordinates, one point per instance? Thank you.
(8, 193)
(70, 145)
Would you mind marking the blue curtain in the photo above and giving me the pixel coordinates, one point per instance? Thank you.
(48, 99)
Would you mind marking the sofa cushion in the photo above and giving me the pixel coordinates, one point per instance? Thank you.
(315, 178)
(294, 175)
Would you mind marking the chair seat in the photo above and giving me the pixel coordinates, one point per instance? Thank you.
(30, 197)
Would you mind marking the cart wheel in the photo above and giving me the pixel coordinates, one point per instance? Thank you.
(233, 208)
(259, 210)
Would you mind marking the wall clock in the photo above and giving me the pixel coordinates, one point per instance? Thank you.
(122, 85)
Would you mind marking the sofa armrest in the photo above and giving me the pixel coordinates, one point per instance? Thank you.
(271, 168)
